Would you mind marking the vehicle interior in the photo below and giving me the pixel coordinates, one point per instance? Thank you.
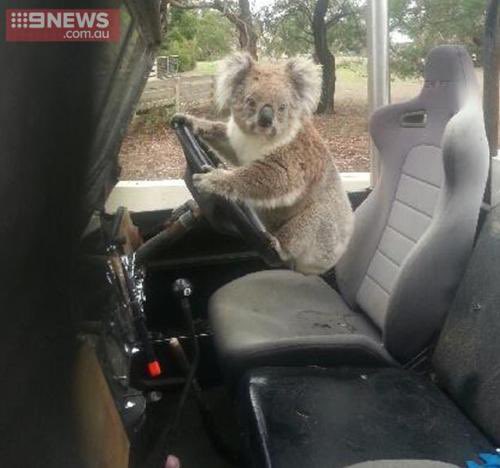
(133, 336)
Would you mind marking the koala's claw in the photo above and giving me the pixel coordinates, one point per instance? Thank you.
(207, 168)
(275, 244)
(181, 119)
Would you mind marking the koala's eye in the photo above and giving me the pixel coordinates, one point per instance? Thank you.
(251, 101)
(282, 107)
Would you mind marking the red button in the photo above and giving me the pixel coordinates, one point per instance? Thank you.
(154, 368)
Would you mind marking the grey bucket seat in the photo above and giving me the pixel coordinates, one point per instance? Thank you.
(412, 238)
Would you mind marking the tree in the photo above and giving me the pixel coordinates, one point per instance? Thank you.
(286, 30)
(427, 23)
(348, 35)
(324, 56)
(244, 24)
(302, 26)
(181, 38)
(238, 12)
(197, 35)
(215, 36)
(164, 17)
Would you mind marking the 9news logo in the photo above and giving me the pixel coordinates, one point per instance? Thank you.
(56, 25)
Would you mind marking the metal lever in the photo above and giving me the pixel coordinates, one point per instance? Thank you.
(182, 288)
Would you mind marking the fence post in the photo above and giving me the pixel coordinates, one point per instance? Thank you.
(177, 94)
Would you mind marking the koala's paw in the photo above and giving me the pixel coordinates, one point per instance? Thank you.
(212, 182)
(180, 119)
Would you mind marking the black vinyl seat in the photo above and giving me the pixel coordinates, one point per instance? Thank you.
(316, 418)
(333, 418)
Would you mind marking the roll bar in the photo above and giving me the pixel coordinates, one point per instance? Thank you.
(491, 63)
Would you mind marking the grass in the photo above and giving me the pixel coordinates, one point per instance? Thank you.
(346, 70)
(205, 68)
(352, 72)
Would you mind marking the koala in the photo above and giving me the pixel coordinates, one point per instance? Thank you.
(278, 162)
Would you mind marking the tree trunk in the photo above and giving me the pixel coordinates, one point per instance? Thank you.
(243, 22)
(164, 7)
(246, 30)
(324, 57)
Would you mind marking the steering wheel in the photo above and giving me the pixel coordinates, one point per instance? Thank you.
(224, 215)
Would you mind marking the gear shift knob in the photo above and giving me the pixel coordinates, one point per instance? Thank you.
(182, 288)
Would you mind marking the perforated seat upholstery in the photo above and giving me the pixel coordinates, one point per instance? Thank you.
(412, 238)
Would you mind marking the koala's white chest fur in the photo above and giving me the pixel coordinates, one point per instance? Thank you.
(249, 148)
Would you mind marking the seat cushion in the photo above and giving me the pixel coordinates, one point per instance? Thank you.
(280, 317)
(318, 418)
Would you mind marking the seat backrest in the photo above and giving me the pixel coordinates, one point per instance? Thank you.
(414, 232)
(467, 356)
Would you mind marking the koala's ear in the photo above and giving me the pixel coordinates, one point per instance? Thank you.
(305, 77)
(232, 71)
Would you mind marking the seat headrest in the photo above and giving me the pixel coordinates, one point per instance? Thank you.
(448, 63)
(450, 78)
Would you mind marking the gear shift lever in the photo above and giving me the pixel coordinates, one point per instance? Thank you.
(182, 288)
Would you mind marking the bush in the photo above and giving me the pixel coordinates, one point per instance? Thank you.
(197, 36)
(407, 61)
(186, 50)
(181, 39)
(354, 64)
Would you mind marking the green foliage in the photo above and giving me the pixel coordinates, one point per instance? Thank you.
(215, 36)
(287, 28)
(206, 68)
(348, 36)
(197, 35)
(183, 24)
(186, 50)
(428, 23)
(206, 35)
(181, 38)
(351, 66)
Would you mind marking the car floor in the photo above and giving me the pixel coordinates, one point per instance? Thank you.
(190, 442)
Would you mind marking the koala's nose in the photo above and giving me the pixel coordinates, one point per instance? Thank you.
(266, 116)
